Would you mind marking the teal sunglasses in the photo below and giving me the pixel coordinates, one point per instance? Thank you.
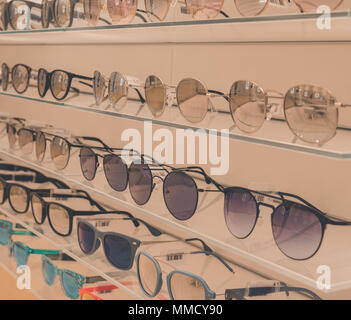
(6, 232)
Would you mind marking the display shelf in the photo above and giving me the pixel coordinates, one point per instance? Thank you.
(295, 27)
(259, 250)
(274, 133)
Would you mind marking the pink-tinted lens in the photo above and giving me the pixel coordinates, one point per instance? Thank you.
(122, 11)
(200, 9)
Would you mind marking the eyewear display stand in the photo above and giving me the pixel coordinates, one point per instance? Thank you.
(277, 52)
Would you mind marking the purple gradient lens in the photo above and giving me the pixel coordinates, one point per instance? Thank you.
(297, 231)
(116, 172)
(86, 237)
(88, 163)
(180, 195)
(240, 212)
(140, 182)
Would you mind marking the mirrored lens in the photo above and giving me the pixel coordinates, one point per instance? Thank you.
(86, 237)
(42, 82)
(48, 270)
(122, 11)
(118, 89)
(26, 141)
(37, 209)
(247, 105)
(192, 100)
(148, 275)
(185, 287)
(116, 172)
(20, 78)
(313, 5)
(140, 182)
(180, 195)
(5, 232)
(12, 136)
(40, 146)
(250, 7)
(297, 231)
(311, 113)
(200, 9)
(19, 15)
(99, 84)
(92, 9)
(60, 151)
(157, 9)
(155, 94)
(59, 84)
(5, 72)
(63, 12)
(18, 197)
(88, 163)
(240, 212)
(20, 253)
(2, 192)
(118, 251)
(59, 219)
(70, 284)
(46, 14)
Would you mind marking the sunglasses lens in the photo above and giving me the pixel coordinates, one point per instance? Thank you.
(63, 11)
(37, 209)
(42, 80)
(92, 10)
(180, 195)
(18, 198)
(88, 163)
(3, 24)
(4, 232)
(204, 10)
(49, 270)
(122, 11)
(157, 10)
(19, 14)
(311, 113)
(118, 251)
(186, 287)
(12, 136)
(297, 231)
(140, 182)
(59, 84)
(250, 8)
(192, 100)
(99, 87)
(59, 219)
(311, 6)
(2, 192)
(40, 146)
(20, 254)
(118, 89)
(240, 212)
(26, 141)
(86, 237)
(155, 93)
(5, 72)
(45, 13)
(148, 275)
(59, 150)
(247, 105)
(70, 284)
(116, 172)
(20, 78)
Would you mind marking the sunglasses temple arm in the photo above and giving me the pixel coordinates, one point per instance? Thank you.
(219, 93)
(42, 251)
(141, 98)
(23, 233)
(60, 257)
(91, 139)
(154, 231)
(140, 16)
(211, 253)
(223, 14)
(86, 84)
(92, 213)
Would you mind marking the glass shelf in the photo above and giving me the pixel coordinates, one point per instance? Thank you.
(285, 28)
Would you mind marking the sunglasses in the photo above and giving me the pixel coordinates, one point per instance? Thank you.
(7, 230)
(257, 7)
(118, 87)
(71, 282)
(119, 249)
(20, 77)
(88, 293)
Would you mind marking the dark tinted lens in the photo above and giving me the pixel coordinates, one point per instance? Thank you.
(297, 231)
(26, 141)
(86, 237)
(49, 270)
(40, 146)
(42, 80)
(5, 229)
(20, 78)
(240, 212)
(5, 71)
(20, 254)
(116, 172)
(180, 195)
(118, 251)
(140, 182)
(88, 163)
(18, 197)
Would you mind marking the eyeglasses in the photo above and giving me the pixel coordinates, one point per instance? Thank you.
(88, 293)
(118, 87)
(71, 282)
(119, 249)
(20, 77)
(7, 230)
(257, 7)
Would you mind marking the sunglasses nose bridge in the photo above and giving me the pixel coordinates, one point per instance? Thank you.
(259, 204)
